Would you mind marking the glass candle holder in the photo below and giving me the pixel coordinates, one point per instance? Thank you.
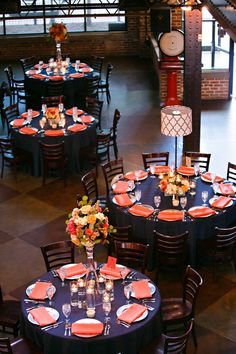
(192, 186)
(109, 286)
(81, 293)
(74, 293)
(90, 298)
(101, 284)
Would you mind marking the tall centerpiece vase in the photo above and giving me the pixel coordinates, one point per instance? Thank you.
(91, 276)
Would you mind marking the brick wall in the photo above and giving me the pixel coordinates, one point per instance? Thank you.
(215, 84)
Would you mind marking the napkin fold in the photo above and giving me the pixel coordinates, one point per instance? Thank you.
(17, 123)
(105, 270)
(162, 169)
(132, 313)
(141, 289)
(76, 269)
(121, 187)
(76, 75)
(39, 76)
(70, 111)
(170, 215)
(221, 202)
(200, 212)
(28, 131)
(41, 316)
(52, 132)
(56, 78)
(123, 200)
(226, 189)
(131, 175)
(86, 119)
(77, 128)
(34, 114)
(91, 329)
(140, 210)
(39, 291)
(186, 170)
(208, 176)
(86, 69)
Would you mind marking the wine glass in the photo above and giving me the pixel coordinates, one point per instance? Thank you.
(66, 310)
(41, 123)
(61, 107)
(196, 170)
(137, 174)
(50, 292)
(157, 201)
(138, 194)
(152, 170)
(62, 276)
(204, 197)
(127, 293)
(123, 273)
(183, 203)
(106, 306)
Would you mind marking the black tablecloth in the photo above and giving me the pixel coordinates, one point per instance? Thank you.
(199, 229)
(121, 339)
(73, 143)
(74, 88)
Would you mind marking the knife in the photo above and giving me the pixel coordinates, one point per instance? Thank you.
(52, 326)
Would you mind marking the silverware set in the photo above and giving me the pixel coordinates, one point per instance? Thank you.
(123, 323)
(67, 331)
(54, 273)
(54, 325)
(33, 301)
(107, 328)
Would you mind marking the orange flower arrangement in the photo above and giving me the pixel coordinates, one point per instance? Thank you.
(174, 184)
(58, 32)
(52, 113)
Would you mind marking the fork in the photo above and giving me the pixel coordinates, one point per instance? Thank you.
(123, 323)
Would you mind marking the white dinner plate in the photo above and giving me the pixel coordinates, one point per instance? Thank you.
(144, 205)
(132, 172)
(199, 208)
(86, 72)
(215, 198)
(132, 198)
(30, 288)
(111, 277)
(129, 189)
(125, 307)
(35, 129)
(87, 320)
(52, 312)
(24, 123)
(208, 181)
(117, 178)
(151, 286)
(219, 192)
(81, 121)
(74, 276)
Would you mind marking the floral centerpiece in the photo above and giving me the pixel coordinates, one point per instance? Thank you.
(52, 113)
(174, 184)
(58, 32)
(88, 225)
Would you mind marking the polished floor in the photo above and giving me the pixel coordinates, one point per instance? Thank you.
(32, 215)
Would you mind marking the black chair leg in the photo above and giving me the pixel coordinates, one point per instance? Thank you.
(194, 335)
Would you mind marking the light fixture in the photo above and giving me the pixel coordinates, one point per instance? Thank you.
(176, 121)
(186, 5)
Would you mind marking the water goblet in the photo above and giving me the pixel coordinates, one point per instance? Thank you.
(204, 197)
(127, 293)
(61, 107)
(138, 194)
(215, 187)
(29, 115)
(62, 276)
(50, 292)
(66, 310)
(196, 170)
(137, 174)
(106, 306)
(44, 107)
(183, 203)
(152, 170)
(123, 273)
(157, 201)
(41, 123)
(213, 177)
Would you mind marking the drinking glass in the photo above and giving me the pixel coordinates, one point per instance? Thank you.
(75, 113)
(183, 202)
(41, 123)
(137, 174)
(66, 310)
(44, 107)
(62, 276)
(127, 293)
(157, 201)
(138, 194)
(123, 273)
(196, 169)
(213, 177)
(152, 170)
(215, 187)
(29, 115)
(106, 306)
(50, 292)
(204, 197)
(61, 107)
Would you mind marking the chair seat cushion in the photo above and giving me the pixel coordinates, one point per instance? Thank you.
(9, 313)
(174, 309)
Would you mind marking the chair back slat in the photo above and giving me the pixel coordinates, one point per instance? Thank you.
(132, 254)
(89, 182)
(231, 172)
(177, 345)
(110, 170)
(200, 158)
(157, 158)
(191, 286)
(58, 254)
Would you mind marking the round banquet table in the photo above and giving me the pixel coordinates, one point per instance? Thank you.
(199, 229)
(73, 143)
(120, 340)
(74, 88)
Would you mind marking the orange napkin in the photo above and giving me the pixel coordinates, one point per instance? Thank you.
(140, 210)
(121, 187)
(83, 65)
(77, 128)
(39, 290)
(76, 269)
(105, 270)
(56, 78)
(70, 111)
(141, 289)
(52, 132)
(132, 313)
(41, 316)
(34, 114)
(32, 72)
(170, 215)
(221, 202)
(86, 119)
(44, 66)
(86, 69)
(186, 170)
(226, 189)
(17, 123)
(28, 131)
(39, 76)
(162, 169)
(208, 175)
(76, 75)
(131, 175)
(90, 329)
(123, 200)
(201, 212)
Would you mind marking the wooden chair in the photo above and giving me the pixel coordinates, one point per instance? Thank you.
(170, 251)
(104, 85)
(224, 248)
(12, 156)
(16, 86)
(91, 89)
(122, 234)
(94, 107)
(200, 158)
(157, 158)
(18, 346)
(110, 170)
(9, 316)
(58, 254)
(173, 345)
(132, 254)
(55, 88)
(53, 159)
(9, 114)
(113, 129)
(52, 101)
(28, 63)
(89, 182)
(178, 311)
(231, 172)
(96, 62)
